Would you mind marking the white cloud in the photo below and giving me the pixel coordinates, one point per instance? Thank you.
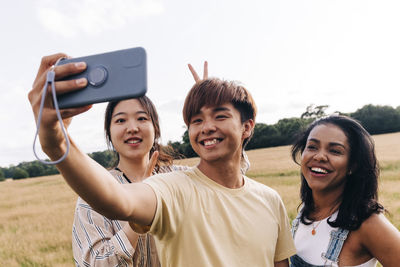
(69, 18)
(172, 106)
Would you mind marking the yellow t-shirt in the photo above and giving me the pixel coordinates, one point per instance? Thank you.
(201, 223)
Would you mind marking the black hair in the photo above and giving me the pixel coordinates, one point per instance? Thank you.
(360, 195)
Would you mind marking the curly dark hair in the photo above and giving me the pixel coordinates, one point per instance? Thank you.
(360, 196)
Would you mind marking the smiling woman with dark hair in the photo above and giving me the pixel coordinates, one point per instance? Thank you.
(340, 222)
(132, 132)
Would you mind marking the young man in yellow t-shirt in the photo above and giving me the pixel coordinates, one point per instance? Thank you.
(210, 215)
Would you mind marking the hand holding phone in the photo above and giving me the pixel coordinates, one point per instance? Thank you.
(111, 76)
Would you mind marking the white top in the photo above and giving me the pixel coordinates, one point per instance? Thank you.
(310, 247)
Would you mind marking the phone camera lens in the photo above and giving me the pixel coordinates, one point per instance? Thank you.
(97, 76)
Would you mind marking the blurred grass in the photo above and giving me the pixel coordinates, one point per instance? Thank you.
(36, 222)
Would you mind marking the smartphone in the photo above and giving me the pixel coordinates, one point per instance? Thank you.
(111, 76)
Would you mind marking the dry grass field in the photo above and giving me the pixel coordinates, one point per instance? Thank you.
(36, 214)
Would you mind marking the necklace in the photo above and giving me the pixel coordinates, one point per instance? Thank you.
(314, 227)
(123, 174)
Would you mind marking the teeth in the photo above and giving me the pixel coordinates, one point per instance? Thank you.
(210, 142)
(133, 141)
(320, 170)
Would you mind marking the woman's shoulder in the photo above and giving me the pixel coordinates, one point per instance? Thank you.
(374, 222)
(370, 227)
(381, 238)
(377, 230)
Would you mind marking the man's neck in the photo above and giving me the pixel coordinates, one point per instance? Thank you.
(225, 173)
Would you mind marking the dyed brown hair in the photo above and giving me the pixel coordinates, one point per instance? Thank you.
(216, 92)
(165, 152)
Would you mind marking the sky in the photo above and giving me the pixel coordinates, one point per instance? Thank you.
(288, 54)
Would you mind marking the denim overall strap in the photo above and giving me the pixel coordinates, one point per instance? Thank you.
(296, 261)
(335, 246)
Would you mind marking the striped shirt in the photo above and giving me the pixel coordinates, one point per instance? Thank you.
(99, 241)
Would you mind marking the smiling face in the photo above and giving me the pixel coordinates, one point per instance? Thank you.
(131, 130)
(216, 133)
(325, 159)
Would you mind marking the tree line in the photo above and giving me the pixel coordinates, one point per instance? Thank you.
(375, 119)
(36, 168)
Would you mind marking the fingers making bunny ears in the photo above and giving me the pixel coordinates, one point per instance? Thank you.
(196, 77)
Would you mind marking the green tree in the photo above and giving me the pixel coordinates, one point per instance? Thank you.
(314, 112)
(186, 146)
(50, 169)
(8, 173)
(290, 128)
(183, 148)
(105, 158)
(2, 178)
(20, 173)
(34, 168)
(264, 136)
(378, 119)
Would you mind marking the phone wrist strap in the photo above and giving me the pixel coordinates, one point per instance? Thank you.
(50, 80)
